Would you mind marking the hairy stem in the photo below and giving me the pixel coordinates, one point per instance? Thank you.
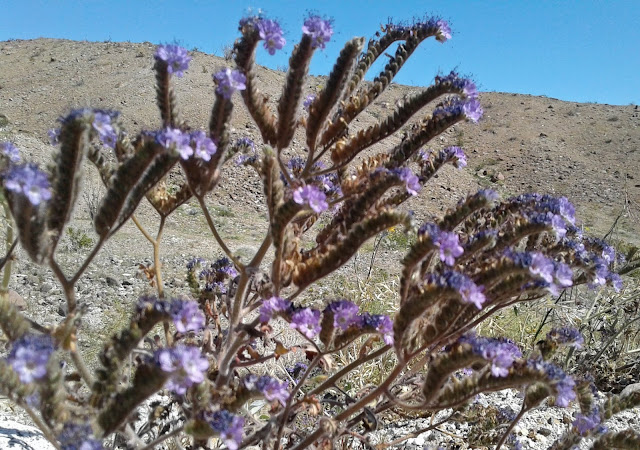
(214, 231)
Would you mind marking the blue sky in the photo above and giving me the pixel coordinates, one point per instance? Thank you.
(582, 50)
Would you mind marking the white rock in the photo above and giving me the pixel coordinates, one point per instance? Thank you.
(14, 435)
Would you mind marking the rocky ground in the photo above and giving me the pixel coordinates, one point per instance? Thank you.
(588, 152)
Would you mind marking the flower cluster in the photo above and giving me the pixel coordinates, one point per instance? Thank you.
(562, 383)
(502, 353)
(412, 183)
(311, 196)
(185, 365)
(444, 31)
(469, 291)
(271, 33)
(465, 85)
(345, 315)
(455, 154)
(327, 183)
(319, 30)
(78, 437)
(271, 388)
(246, 150)
(439, 27)
(176, 58)
(552, 275)
(584, 423)
(470, 108)
(9, 150)
(217, 275)
(228, 425)
(309, 99)
(186, 144)
(29, 181)
(187, 316)
(306, 321)
(102, 122)
(566, 336)
(229, 81)
(448, 243)
(30, 355)
(102, 125)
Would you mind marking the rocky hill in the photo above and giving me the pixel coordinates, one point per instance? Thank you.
(588, 152)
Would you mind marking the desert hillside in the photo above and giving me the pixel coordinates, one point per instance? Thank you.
(588, 152)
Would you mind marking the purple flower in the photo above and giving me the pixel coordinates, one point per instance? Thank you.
(541, 267)
(272, 389)
(152, 303)
(245, 144)
(308, 101)
(272, 306)
(559, 380)
(229, 81)
(488, 194)
(297, 370)
(28, 180)
(472, 293)
(615, 280)
(318, 29)
(176, 58)
(466, 85)
(312, 196)
(410, 179)
(224, 268)
(469, 88)
(468, 290)
(430, 229)
(501, 352)
(585, 423)
(566, 336)
(381, 323)
(457, 153)
(608, 254)
(450, 247)
(10, 151)
(106, 133)
(444, 31)
(601, 272)
(296, 164)
(562, 278)
(271, 32)
(217, 274)
(345, 313)
(306, 321)
(187, 316)
(472, 109)
(185, 364)
(329, 183)
(566, 210)
(174, 140)
(205, 147)
(78, 437)
(30, 355)
(558, 226)
(229, 427)
(54, 136)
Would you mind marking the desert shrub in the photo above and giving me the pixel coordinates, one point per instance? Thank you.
(78, 239)
(251, 356)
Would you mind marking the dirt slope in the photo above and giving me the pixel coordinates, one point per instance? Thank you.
(588, 152)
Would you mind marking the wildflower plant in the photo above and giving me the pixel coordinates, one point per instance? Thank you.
(484, 254)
